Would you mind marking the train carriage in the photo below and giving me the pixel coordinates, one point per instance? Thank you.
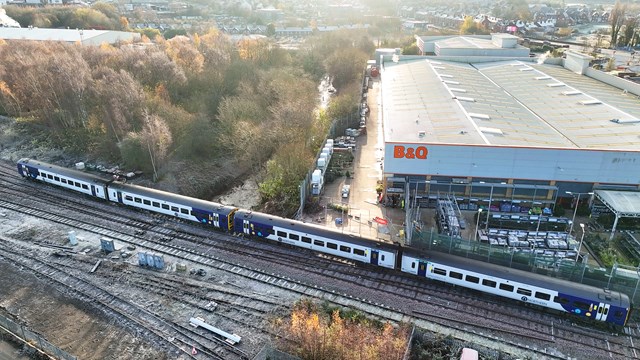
(67, 178)
(314, 237)
(561, 295)
(205, 212)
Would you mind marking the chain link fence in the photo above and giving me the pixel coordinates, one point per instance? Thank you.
(33, 339)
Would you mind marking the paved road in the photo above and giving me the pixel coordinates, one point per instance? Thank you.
(367, 169)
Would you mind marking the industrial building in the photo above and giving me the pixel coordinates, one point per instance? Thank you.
(484, 121)
(79, 36)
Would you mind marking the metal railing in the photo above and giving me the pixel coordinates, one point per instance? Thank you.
(33, 339)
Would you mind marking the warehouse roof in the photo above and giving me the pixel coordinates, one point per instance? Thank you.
(505, 103)
(85, 37)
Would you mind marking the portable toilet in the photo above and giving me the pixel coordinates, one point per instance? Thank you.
(330, 142)
(322, 162)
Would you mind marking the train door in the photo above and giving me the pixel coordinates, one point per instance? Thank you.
(230, 218)
(246, 227)
(603, 311)
(374, 257)
(93, 190)
(422, 268)
(216, 220)
(119, 194)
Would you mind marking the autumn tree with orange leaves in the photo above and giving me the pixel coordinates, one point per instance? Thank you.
(314, 335)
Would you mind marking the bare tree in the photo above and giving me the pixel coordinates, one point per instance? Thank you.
(120, 100)
(616, 19)
(47, 81)
(630, 26)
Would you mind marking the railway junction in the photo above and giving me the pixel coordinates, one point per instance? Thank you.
(242, 286)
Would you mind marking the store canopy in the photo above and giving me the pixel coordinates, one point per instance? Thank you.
(621, 203)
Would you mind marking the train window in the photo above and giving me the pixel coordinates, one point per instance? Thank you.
(506, 287)
(543, 296)
(472, 279)
(156, 204)
(268, 231)
(489, 283)
(306, 240)
(128, 197)
(146, 202)
(294, 237)
(318, 242)
(138, 200)
(358, 252)
(439, 271)
(78, 184)
(345, 249)
(600, 310)
(606, 311)
(332, 246)
(56, 178)
(84, 186)
(165, 206)
(49, 176)
(580, 305)
(41, 173)
(184, 211)
(525, 292)
(455, 275)
(559, 300)
(64, 181)
(175, 209)
(282, 234)
(381, 257)
(413, 264)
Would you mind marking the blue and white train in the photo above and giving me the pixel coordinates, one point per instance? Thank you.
(563, 296)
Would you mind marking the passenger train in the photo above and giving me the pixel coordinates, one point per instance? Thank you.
(563, 296)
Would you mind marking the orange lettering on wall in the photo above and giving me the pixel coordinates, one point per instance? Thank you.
(419, 152)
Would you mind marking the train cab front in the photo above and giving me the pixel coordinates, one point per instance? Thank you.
(25, 170)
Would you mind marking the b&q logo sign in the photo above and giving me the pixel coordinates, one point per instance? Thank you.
(409, 152)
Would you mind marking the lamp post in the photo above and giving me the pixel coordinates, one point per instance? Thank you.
(581, 240)
(475, 236)
(575, 210)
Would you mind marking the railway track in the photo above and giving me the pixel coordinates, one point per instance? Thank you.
(186, 243)
(178, 337)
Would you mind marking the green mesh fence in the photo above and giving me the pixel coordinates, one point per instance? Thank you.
(619, 278)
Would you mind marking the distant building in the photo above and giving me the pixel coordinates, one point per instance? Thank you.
(501, 45)
(6, 21)
(269, 14)
(84, 37)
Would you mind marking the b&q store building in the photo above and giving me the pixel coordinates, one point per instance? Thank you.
(480, 119)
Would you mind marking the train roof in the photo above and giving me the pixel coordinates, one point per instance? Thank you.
(503, 272)
(173, 198)
(76, 174)
(314, 229)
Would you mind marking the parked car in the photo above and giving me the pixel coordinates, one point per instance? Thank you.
(345, 190)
